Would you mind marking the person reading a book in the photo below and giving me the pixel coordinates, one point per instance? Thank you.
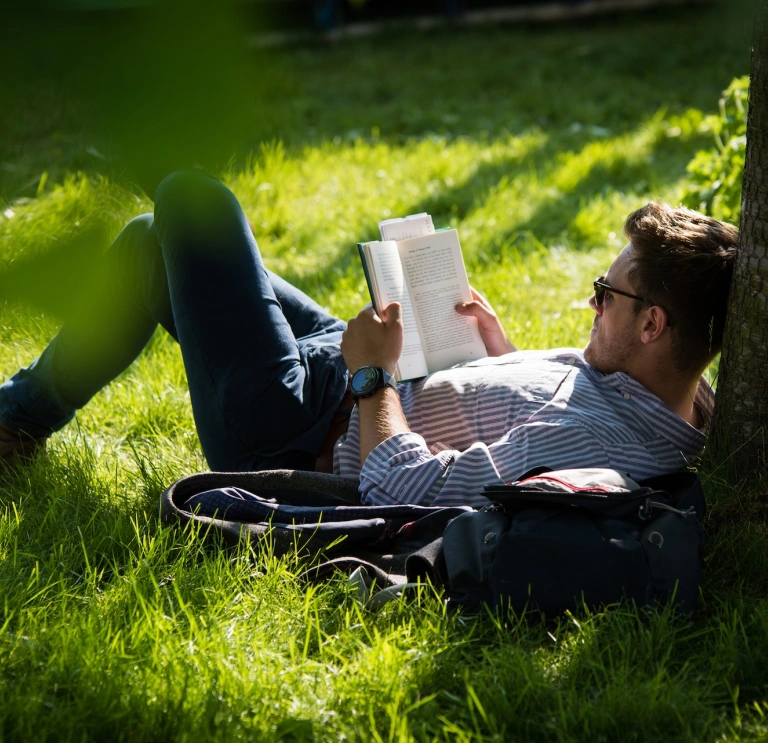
(268, 368)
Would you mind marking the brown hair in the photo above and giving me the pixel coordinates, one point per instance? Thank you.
(683, 261)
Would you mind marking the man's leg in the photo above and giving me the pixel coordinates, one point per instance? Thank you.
(99, 339)
(262, 398)
(238, 390)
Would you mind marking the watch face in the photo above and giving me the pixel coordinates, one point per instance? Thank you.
(364, 379)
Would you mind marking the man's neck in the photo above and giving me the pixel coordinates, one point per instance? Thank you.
(676, 391)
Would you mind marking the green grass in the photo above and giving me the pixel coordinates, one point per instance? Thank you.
(535, 143)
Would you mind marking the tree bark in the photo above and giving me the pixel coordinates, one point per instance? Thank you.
(740, 428)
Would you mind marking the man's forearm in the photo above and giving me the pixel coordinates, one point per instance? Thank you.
(381, 416)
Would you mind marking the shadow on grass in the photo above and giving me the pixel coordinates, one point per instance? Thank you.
(552, 218)
(610, 72)
(70, 530)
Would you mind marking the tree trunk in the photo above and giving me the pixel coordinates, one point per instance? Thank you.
(740, 429)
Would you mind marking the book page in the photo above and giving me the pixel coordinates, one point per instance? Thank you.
(384, 263)
(437, 282)
(414, 225)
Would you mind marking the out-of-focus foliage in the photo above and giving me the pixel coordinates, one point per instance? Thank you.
(157, 88)
(535, 144)
(716, 174)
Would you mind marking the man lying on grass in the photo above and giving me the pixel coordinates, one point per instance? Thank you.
(268, 368)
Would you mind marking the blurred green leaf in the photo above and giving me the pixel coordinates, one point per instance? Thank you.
(717, 173)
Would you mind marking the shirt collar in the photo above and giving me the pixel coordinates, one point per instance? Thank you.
(658, 414)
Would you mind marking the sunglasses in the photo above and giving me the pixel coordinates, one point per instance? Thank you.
(601, 287)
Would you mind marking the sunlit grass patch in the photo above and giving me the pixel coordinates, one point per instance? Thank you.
(535, 145)
(114, 624)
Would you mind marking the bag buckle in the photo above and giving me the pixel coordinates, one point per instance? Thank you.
(492, 507)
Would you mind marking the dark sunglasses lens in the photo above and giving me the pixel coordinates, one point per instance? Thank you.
(599, 295)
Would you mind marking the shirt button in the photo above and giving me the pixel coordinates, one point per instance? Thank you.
(627, 396)
(570, 361)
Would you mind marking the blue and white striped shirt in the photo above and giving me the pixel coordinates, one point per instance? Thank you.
(491, 420)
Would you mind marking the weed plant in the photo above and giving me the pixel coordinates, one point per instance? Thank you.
(535, 143)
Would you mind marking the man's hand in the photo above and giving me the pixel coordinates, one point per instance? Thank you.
(370, 340)
(493, 335)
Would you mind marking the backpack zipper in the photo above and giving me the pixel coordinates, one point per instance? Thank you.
(647, 506)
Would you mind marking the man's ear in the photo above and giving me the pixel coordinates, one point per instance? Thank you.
(655, 324)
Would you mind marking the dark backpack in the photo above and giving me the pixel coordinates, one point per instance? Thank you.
(553, 544)
(550, 543)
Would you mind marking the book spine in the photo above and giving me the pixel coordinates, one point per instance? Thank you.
(361, 251)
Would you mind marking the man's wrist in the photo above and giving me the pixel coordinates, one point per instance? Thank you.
(377, 396)
(369, 379)
(380, 417)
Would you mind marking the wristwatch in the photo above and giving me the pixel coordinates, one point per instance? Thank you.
(367, 379)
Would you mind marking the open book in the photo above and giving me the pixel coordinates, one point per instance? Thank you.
(424, 271)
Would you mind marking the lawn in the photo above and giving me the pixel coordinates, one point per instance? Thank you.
(535, 143)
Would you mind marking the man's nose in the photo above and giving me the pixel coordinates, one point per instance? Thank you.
(593, 304)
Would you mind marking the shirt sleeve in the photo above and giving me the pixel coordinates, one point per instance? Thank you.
(402, 469)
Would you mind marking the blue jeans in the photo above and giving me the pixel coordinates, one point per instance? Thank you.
(265, 372)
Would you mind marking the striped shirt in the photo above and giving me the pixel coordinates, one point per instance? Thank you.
(491, 420)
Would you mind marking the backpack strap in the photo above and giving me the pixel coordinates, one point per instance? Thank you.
(293, 487)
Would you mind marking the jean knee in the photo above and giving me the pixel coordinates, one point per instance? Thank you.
(134, 266)
(192, 203)
(139, 232)
(136, 247)
(181, 186)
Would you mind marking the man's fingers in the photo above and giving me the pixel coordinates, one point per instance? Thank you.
(475, 309)
(364, 314)
(392, 313)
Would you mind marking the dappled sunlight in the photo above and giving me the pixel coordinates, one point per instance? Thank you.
(64, 211)
(310, 208)
(541, 296)
(336, 194)
(538, 218)
(535, 143)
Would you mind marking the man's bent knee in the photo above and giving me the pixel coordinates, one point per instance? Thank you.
(192, 204)
(139, 233)
(136, 253)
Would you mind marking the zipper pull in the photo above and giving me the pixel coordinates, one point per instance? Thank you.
(646, 509)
